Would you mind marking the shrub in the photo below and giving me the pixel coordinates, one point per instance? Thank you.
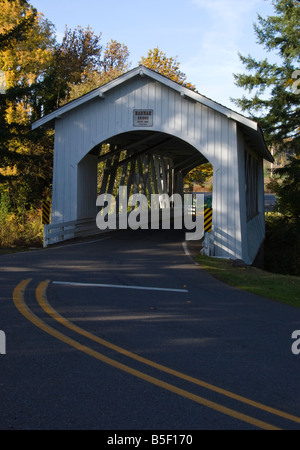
(282, 245)
(19, 230)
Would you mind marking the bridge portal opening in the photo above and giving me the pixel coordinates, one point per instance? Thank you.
(145, 162)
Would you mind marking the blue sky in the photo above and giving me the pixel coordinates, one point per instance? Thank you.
(204, 35)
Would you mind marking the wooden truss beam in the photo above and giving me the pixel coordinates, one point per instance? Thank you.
(128, 147)
(143, 152)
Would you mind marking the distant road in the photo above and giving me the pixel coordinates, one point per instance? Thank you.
(270, 200)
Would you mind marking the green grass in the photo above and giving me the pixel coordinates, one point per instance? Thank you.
(282, 288)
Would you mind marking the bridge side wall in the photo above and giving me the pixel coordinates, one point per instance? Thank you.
(256, 226)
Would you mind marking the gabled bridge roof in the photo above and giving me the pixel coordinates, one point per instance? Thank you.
(250, 128)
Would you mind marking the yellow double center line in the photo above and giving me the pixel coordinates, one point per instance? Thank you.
(18, 297)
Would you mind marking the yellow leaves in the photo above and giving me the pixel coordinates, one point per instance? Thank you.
(26, 59)
(289, 82)
(24, 63)
(8, 15)
(169, 67)
(19, 113)
(28, 56)
(200, 174)
(8, 171)
(11, 14)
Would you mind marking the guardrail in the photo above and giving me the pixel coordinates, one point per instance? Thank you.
(60, 232)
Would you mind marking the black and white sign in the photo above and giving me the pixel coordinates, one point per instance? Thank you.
(143, 118)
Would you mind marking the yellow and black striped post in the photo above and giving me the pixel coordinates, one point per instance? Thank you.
(46, 214)
(208, 215)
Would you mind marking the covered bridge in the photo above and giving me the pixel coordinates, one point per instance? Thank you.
(153, 125)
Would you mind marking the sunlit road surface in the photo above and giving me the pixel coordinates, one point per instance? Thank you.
(124, 332)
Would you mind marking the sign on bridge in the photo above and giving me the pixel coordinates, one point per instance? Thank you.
(143, 118)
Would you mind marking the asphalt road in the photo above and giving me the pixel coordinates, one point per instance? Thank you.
(124, 332)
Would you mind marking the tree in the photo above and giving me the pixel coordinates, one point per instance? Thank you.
(16, 30)
(287, 188)
(275, 102)
(169, 67)
(199, 175)
(114, 63)
(14, 27)
(116, 59)
(73, 61)
(25, 52)
(40, 76)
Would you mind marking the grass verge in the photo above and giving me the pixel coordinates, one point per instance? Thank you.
(282, 288)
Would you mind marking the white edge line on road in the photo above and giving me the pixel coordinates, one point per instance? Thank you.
(63, 246)
(115, 286)
(188, 254)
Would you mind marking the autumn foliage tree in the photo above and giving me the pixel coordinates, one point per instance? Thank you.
(115, 59)
(73, 60)
(25, 53)
(199, 175)
(167, 66)
(41, 75)
(111, 64)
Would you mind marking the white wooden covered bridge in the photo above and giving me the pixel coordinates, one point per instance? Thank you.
(162, 130)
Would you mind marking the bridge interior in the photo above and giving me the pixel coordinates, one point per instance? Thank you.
(146, 162)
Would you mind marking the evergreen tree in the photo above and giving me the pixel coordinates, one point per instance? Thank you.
(275, 100)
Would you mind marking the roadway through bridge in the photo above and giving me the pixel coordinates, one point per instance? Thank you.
(125, 332)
